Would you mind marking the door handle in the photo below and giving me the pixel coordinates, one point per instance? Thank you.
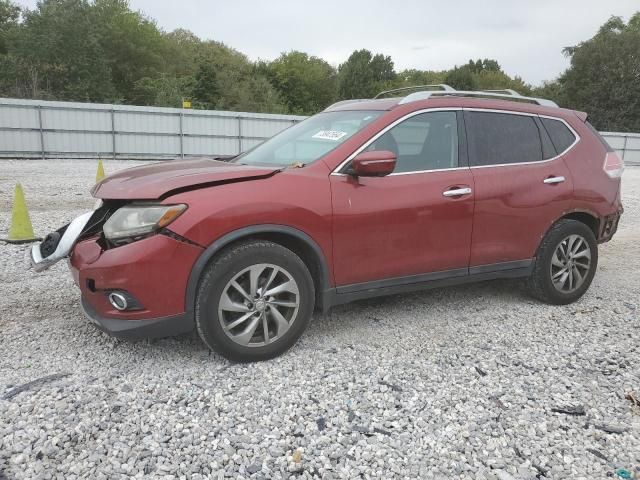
(552, 180)
(455, 192)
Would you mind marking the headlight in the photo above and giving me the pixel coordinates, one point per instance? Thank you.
(138, 220)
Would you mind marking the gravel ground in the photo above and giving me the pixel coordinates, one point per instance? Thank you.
(476, 382)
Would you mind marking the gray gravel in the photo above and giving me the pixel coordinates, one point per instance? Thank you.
(475, 382)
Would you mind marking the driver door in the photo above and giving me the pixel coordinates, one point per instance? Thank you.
(407, 224)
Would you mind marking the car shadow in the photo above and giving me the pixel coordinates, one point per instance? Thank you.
(340, 320)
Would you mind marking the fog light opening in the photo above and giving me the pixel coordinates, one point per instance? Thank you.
(118, 300)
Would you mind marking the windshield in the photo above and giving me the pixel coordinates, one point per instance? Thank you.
(307, 141)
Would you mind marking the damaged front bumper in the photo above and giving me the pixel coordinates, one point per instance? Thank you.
(57, 245)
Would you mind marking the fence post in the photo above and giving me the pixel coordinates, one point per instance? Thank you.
(113, 132)
(239, 134)
(41, 131)
(181, 135)
(624, 146)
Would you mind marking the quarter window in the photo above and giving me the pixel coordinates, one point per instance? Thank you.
(502, 138)
(561, 136)
(428, 141)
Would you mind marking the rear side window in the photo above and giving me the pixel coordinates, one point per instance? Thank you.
(561, 136)
(502, 138)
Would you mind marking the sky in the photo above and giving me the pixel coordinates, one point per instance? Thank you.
(525, 36)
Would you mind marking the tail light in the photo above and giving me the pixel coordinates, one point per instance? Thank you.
(613, 165)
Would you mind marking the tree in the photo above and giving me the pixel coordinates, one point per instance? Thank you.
(553, 90)
(306, 83)
(363, 75)
(56, 53)
(413, 77)
(133, 47)
(166, 90)
(205, 92)
(461, 78)
(9, 15)
(498, 80)
(486, 65)
(604, 76)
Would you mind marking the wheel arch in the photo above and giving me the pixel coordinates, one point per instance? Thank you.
(295, 240)
(588, 218)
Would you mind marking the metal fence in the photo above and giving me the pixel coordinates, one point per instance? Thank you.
(626, 144)
(40, 129)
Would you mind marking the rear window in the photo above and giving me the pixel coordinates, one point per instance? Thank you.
(502, 138)
(561, 136)
(605, 144)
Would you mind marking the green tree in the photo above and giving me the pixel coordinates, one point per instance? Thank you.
(604, 76)
(498, 80)
(306, 83)
(166, 90)
(486, 65)
(9, 15)
(413, 77)
(241, 86)
(57, 53)
(553, 90)
(132, 45)
(461, 78)
(206, 92)
(363, 75)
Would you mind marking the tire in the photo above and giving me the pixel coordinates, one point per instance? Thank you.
(556, 259)
(280, 307)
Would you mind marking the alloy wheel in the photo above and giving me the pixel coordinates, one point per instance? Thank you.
(259, 305)
(570, 263)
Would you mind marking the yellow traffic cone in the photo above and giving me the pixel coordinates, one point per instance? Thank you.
(100, 172)
(21, 230)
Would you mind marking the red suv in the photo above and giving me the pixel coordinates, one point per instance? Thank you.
(367, 198)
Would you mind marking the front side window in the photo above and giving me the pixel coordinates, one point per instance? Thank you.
(502, 138)
(309, 140)
(427, 141)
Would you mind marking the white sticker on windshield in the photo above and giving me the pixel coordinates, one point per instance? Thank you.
(334, 135)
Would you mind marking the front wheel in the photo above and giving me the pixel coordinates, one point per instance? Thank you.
(254, 301)
(566, 263)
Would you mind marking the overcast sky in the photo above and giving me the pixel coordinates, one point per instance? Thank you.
(526, 37)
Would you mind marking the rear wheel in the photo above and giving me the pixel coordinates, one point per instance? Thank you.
(566, 263)
(254, 301)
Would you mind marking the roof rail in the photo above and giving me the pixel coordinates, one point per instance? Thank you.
(443, 86)
(507, 94)
(447, 91)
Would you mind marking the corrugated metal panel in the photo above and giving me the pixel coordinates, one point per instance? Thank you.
(627, 145)
(201, 125)
(32, 128)
(153, 145)
(262, 128)
(63, 142)
(146, 123)
(19, 142)
(17, 117)
(60, 119)
(204, 145)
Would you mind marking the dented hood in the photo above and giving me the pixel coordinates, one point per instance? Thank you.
(161, 179)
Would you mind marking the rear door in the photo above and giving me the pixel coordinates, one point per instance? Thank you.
(406, 224)
(522, 186)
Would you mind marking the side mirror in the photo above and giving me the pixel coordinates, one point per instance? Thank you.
(377, 163)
